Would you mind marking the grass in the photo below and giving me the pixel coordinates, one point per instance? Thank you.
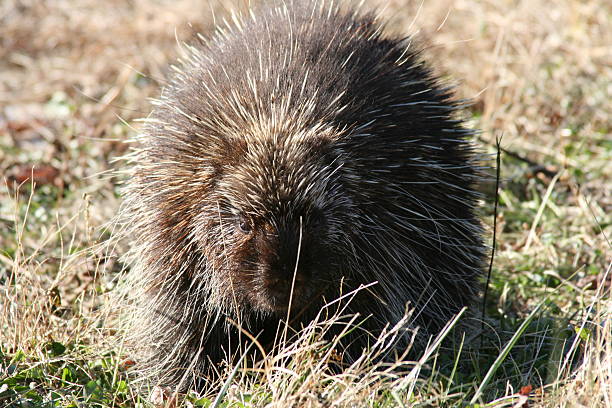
(74, 75)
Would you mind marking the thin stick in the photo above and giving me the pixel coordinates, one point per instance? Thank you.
(494, 244)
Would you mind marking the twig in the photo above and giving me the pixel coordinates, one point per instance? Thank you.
(494, 244)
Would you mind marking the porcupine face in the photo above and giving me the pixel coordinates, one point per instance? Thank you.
(274, 236)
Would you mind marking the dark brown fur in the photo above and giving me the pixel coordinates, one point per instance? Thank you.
(301, 150)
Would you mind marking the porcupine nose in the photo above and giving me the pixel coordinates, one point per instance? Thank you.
(287, 263)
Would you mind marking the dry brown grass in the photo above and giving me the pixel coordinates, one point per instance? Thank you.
(75, 74)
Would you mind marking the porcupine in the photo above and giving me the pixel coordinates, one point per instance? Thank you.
(297, 155)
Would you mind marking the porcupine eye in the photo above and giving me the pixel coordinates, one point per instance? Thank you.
(244, 225)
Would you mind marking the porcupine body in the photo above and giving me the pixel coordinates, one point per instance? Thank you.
(300, 148)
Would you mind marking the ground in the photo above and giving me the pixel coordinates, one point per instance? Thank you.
(76, 75)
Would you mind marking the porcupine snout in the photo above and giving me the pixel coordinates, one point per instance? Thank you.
(286, 265)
